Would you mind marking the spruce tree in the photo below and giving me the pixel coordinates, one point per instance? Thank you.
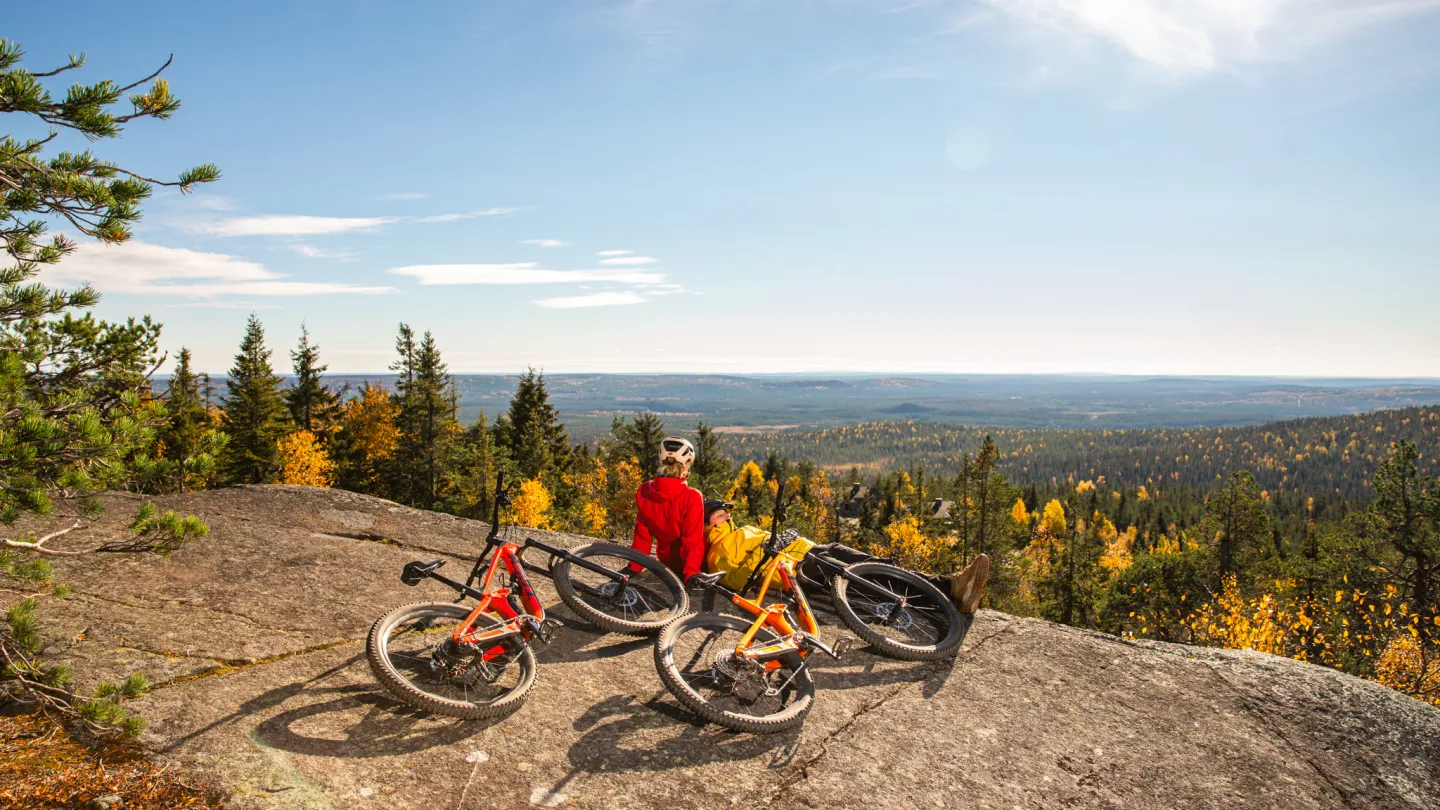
(189, 440)
(712, 472)
(252, 411)
(640, 439)
(427, 419)
(312, 405)
(532, 430)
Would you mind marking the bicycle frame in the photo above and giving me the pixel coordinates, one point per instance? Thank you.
(801, 639)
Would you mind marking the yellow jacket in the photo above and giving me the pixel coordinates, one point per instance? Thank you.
(736, 550)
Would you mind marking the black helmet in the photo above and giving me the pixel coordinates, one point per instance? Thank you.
(711, 505)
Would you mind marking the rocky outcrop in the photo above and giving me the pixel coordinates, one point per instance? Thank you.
(253, 639)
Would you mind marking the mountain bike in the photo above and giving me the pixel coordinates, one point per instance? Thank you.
(477, 662)
(898, 612)
(748, 674)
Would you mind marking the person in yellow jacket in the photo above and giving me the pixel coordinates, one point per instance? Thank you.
(737, 550)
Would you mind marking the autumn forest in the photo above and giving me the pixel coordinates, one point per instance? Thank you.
(1317, 538)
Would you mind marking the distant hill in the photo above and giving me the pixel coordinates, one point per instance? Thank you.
(588, 402)
(1334, 454)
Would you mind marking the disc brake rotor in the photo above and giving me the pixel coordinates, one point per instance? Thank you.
(627, 597)
(902, 620)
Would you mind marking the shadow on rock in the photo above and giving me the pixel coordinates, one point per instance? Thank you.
(386, 728)
(623, 734)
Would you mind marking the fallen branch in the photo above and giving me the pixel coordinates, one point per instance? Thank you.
(38, 546)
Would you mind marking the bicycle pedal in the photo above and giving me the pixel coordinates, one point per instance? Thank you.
(842, 646)
(546, 630)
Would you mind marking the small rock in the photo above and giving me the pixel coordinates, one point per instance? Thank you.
(366, 792)
(109, 801)
(523, 766)
(477, 756)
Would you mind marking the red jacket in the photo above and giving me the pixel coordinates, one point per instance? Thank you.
(671, 517)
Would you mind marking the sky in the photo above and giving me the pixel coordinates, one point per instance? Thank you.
(991, 186)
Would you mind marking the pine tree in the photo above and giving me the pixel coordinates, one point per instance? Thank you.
(427, 407)
(252, 411)
(712, 472)
(313, 406)
(532, 431)
(75, 391)
(470, 476)
(1236, 515)
(189, 440)
(639, 439)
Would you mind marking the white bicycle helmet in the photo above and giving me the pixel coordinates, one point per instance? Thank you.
(674, 449)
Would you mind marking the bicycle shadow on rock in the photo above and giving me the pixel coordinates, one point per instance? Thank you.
(620, 735)
(573, 642)
(844, 675)
(387, 728)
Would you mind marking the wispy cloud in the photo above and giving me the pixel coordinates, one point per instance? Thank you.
(306, 225)
(312, 252)
(519, 273)
(1196, 37)
(614, 252)
(631, 260)
(404, 195)
(544, 243)
(213, 202)
(287, 225)
(599, 299)
(140, 268)
(484, 212)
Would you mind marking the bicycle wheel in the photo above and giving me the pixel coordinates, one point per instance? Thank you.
(694, 657)
(412, 655)
(926, 629)
(640, 607)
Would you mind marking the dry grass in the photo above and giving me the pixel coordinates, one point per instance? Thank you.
(43, 767)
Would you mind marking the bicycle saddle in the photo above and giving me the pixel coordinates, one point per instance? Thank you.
(706, 580)
(416, 571)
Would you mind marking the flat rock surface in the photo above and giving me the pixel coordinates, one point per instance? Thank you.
(253, 637)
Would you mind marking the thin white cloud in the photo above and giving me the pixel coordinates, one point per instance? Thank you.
(405, 195)
(614, 253)
(287, 225)
(1197, 37)
(213, 202)
(225, 305)
(519, 273)
(312, 252)
(544, 243)
(140, 268)
(631, 260)
(484, 212)
(599, 299)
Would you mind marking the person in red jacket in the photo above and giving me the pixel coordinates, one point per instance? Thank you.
(670, 514)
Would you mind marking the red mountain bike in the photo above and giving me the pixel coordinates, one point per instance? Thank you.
(476, 662)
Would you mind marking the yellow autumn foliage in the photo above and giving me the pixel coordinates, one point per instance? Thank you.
(304, 462)
(531, 506)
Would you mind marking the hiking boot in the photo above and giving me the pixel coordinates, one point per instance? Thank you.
(969, 585)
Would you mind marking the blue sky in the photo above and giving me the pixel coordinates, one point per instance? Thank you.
(1129, 186)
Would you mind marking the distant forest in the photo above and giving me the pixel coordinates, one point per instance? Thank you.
(1316, 538)
(1329, 458)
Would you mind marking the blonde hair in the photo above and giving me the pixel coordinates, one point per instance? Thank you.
(670, 468)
